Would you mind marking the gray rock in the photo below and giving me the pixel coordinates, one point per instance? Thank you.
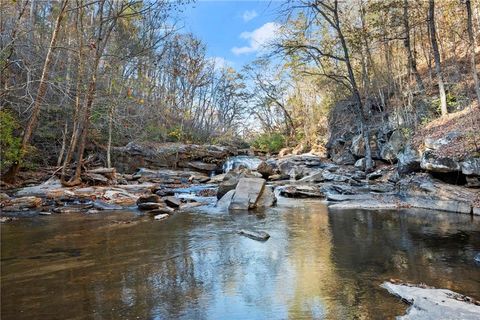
(360, 164)
(433, 163)
(255, 235)
(224, 202)
(202, 166)
(477, 258)
(301, 191)
(267, 198)
(100, 205)
(395, 144)
(149, 198)
(436, 144)
(22, 203)
(161, 210)
(471, 166)
(150, 205)
(172, 202)
(265, 169)
(358, 146)
(162, 216)
(429, 303)
(247, 193)
(408, 160)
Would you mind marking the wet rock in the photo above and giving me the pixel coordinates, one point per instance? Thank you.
(265, 169)
(161, 210)
(4, 196)
(241, 162)
(301, 191)
(225, 201)
(430, 303)
(434, 163)
(255, 235)
(172, 202)
(230, 181)
(73, 209)
(246, 194)
(164, 192)
(347, 197)
(471, 166)
(458, 206)
(45, 213)
(477, 258)
(100, 205)
(150, 205)
(149, 198)
(267, 198)
(190, 205)
(93, 211)
(408, 161)
(22, 203)
(162, 216)
(202, 166)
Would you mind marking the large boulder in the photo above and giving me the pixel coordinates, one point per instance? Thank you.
(267, 198)
(358, 146)
(230, 181)
(265, 169)
(360, 164)
(170, 155)
(436, 144)
(392, 148)
(299, 166)
(408, 160)
(433, 163)
(340, 153)
(247, 192)
(471, 167)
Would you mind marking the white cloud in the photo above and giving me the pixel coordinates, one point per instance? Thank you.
(220, 62)
(249, 15)
(258, 38)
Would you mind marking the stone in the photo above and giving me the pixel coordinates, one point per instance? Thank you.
(360, 164)
(41, 190)
(246, 194)
(173, 155)
(202, 166)
(471, 166)
(96, 178)
(429, 303)
(375, 175)
(255, 235)
(93, 211)
(161, 210)
(4, 196)
(472, 182)
(45, 213)
(241, 162)
(267, 198)
(433, 163)
(358, 146)
(172, 202)
(161, 216)
(150, 205)
(149, 198)
(458, 206)
(224, 202)
(301, 191)
(437, 144)
(477, 258)
(22, 203)
(265, 169)
(190, 205)
(408, 160)
(392, 148)
(100, 205)
(72, 209)
(284, 152)
(230, 182)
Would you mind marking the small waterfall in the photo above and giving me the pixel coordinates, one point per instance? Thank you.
(241, 161)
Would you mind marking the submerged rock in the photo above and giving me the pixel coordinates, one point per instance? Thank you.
(255, 235)
(430, 303)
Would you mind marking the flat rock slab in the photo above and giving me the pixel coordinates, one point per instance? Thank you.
(161, 216)
(433, 304)
(255, 235)
(246, 193)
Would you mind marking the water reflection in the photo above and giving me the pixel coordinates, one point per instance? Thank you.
(317, 264)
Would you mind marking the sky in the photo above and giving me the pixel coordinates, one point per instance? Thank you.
(234, 31)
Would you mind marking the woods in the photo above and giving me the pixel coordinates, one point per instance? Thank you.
(80, 78)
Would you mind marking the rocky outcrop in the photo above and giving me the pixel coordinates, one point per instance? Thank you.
(433, 163)
(408, 160)
(296, 167)
(471, 167)
(393, 146)
(430, 303)
(171, 155)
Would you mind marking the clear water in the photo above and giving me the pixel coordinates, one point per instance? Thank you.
(316, 265)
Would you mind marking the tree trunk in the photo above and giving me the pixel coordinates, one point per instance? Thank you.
(356, 95)
(472, 46)
(412, 63)
(436, 57)
(42, 90)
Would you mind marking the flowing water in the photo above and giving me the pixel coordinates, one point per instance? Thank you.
(236, 162)
(316, 265)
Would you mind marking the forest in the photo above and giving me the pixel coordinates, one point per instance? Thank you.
(83, 77)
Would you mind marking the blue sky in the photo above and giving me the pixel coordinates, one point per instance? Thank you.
(234, 31)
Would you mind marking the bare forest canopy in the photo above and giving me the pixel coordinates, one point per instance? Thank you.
(80, 76)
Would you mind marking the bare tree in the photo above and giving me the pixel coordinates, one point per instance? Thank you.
(472, 46)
